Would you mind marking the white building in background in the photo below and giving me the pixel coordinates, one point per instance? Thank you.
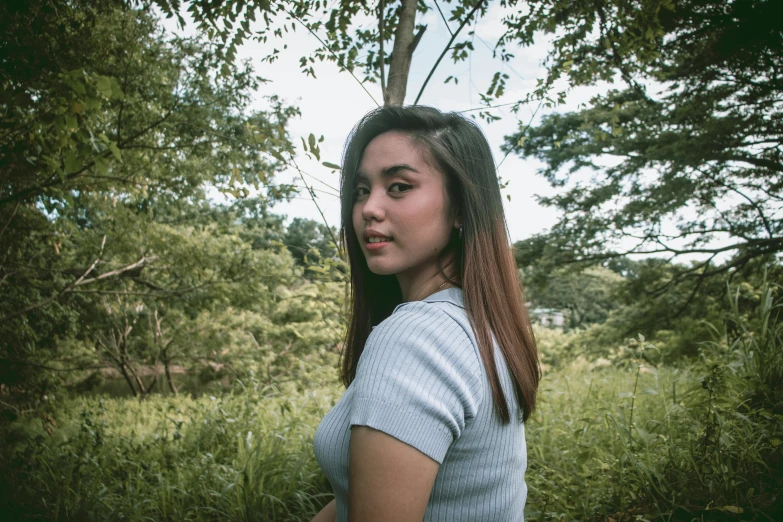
(548, 317)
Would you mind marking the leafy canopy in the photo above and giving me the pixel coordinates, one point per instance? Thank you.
(687, 157)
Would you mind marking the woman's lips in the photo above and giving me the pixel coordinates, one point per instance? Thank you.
(377, 246)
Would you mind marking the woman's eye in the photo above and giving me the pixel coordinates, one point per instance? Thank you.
(360, 191)
(401, 187)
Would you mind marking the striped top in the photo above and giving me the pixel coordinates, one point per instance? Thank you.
(421, 380)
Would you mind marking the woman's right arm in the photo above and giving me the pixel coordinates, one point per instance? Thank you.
(328, 513)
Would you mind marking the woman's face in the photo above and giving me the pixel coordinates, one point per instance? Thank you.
(401, 210)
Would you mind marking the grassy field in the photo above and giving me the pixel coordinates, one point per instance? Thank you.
(613, 439)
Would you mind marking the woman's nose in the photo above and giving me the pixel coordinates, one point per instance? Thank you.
(373, 206)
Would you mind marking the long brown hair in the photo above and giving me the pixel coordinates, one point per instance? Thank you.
(484, 260)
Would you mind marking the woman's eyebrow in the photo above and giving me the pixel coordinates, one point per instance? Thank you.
(396, 169)
(388, 171)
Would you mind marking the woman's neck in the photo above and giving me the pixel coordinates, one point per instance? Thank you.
(415, 287)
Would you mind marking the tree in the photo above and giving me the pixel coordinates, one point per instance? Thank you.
(688, 157)
(305, 236)
(345, 38)
(112, 135)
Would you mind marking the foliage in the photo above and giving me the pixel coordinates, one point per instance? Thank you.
(627, 440)
(621, 298)
(307, 239)
(585, 297)
(687, 158)
(677, 320)
(243, 456)
(349, 38)
(116, 137)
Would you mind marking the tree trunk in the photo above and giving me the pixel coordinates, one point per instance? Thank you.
(404, 45)
(128, 379)
(142, 389)
(172, 387)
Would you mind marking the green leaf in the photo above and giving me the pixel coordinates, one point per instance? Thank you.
(116, 90)
(71, 123)
(101, 166)
(330, 165)
(582, 457)
(104, 86)
(116, 152)
(72, 162)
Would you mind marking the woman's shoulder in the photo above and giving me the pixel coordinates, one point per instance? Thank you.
(418, 378)
(437, 326)
(439, 313)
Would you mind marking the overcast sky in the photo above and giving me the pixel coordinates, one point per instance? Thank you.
(334, 101)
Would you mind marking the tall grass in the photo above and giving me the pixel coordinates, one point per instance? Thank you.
(246, 456)
(628, 440)
(636, 441)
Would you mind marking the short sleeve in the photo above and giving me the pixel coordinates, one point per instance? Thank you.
(418, 379)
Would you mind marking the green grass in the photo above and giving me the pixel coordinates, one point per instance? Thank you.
(613, 439)
(245, 456)
(646, 443)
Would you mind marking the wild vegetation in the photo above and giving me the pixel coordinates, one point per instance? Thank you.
(138, 239)
(621, 437)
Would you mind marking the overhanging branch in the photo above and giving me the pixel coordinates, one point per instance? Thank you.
(446, 49)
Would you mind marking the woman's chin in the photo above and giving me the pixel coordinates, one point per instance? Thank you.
(381, 268)
(381, 271)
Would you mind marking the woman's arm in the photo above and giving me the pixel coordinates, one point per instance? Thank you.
(328, 513)
(390, 481)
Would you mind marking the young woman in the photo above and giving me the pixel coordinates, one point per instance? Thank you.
(440, 362)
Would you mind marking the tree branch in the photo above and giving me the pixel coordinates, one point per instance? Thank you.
(13, 213)
(60, 293)
(402, 53)
(381, 6)
(445, 22)
(306, 26)
(448, 46)
(12, 362)
(758, 162)
(137, 264)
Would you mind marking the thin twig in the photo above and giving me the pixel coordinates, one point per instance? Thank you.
(312, 196)
(13, 213)
(332, 53)
(444, 18)
(523, 132)
(448, 46)
(59, 294)
(382, 55)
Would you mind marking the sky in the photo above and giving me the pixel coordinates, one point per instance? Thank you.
(334, 101)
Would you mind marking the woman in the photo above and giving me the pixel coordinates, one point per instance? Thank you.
(440, 362)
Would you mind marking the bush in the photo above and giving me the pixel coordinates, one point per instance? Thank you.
(645, 442)
(244, 456)
(626, 439)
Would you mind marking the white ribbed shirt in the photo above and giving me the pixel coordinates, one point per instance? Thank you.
(421, 380)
